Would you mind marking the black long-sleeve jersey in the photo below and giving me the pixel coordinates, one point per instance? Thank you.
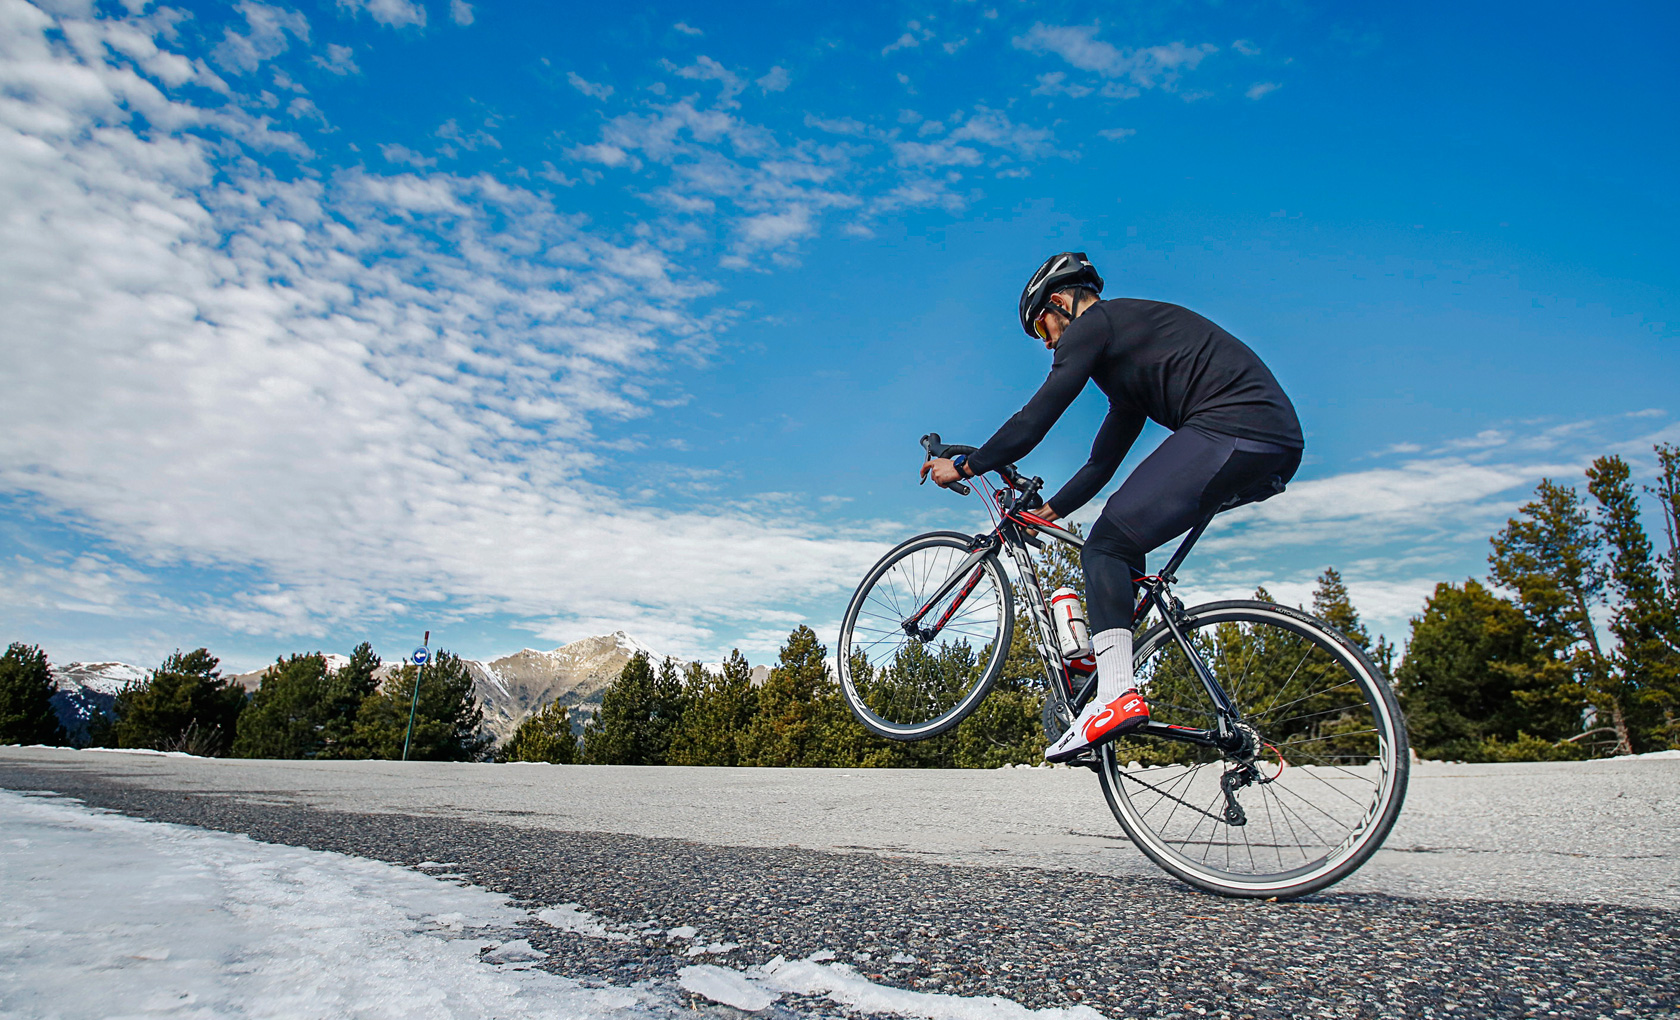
(1153, 360)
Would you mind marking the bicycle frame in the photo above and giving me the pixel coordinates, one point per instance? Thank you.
(1014, 534)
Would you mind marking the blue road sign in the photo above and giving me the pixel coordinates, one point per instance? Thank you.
(420, 655)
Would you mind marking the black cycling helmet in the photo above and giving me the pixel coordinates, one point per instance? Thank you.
(1059, 272)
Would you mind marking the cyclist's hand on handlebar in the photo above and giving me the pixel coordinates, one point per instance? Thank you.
(942, 471)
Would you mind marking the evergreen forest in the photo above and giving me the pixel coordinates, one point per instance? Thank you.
(1568, 649)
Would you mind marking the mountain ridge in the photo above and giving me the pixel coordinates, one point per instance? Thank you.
(510, 688)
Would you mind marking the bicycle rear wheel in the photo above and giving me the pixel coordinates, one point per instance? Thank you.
(908, 686)
(1329, 755)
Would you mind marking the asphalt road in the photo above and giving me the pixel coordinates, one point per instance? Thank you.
(1508, 891)
(1573, 832)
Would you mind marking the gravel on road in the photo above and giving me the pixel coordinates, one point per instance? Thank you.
(1131, 947)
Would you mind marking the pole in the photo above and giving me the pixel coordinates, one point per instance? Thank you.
(414, 703)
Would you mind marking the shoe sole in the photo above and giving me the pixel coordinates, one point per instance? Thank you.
(1118, 731)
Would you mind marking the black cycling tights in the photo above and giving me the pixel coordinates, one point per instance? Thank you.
(1170, 492)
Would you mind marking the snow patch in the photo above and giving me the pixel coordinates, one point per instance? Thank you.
(194, 923)
(513, 953)
(712, 949)
(842, 984)
(756, 988)
(573, 918)
(1647, 755)
(730, 987)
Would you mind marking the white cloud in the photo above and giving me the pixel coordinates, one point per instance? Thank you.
(1261, 88)
(1117, 134)
(1055, 83)
(837, 126)
(1246, 48)
(339, 60)
(355, 394)
(1144, 68)
(773, 230)
(393, 13)
(473, 140)
(705, 68)
(460, 12)
(777, 80)
(266, 37)
(984, 128)
(903, 42)
(587, 87)
(304, 109)
(402, 155)
(687, 29)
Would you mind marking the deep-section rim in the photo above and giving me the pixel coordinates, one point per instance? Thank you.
(933, 728)
(1346, 857)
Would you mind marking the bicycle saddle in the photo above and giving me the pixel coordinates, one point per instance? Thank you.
(1259, 492)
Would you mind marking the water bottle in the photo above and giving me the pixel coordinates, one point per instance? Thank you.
(1073, 634)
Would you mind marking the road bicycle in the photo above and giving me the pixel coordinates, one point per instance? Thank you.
(1275, 760)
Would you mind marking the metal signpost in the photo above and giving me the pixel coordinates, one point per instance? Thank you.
(420, 656)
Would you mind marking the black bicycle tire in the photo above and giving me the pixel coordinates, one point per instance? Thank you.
(976, 694)
(1371, 838)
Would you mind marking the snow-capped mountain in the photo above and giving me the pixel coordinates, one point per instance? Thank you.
(513, 686)
(86, 689)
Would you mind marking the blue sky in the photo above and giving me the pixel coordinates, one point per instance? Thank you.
(340, 321)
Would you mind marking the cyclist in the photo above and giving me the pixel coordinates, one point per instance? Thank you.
(1232, 427)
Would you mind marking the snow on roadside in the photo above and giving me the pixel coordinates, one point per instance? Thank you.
(106, 914)
(109, 913)
(757, 987)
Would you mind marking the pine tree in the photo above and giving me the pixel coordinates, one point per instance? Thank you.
(1008, 727)
(1333, 604)
(1645, 669)
(346, 690)
(787, 730)
(287, 712)
(1458, 683)
(545, 735)
(1667, 491)
(26, 690)
(184, 706)
(619, 732)
(1549, 556)
(301, 710)
(448, 722)
(719, 708)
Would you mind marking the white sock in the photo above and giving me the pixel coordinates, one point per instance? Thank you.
(1114, 664)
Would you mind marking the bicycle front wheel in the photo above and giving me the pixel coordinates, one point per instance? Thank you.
(1319, 782)
(913, 665)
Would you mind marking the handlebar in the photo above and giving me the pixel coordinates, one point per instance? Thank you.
(936, 450)
(1028, 487)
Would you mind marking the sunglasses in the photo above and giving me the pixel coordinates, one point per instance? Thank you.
(1039, 327)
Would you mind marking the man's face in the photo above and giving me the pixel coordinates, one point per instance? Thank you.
(1051, 322)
